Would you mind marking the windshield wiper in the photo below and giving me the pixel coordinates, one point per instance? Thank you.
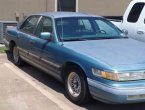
(125, 37)
(75, 39)
(100, 38)
(93, 38)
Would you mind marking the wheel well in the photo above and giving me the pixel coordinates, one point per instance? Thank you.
(11, 45)
(68, 65)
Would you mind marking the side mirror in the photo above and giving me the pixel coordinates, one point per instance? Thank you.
(18, 27)
(125, 32)
(45, 35)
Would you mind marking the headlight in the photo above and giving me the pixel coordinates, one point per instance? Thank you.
(119, 76)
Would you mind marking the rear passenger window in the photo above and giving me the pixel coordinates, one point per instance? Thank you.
(30, 24)
(135, 12)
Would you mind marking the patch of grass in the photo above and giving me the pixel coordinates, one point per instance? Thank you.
(3, 49)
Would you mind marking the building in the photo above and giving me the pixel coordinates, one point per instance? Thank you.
(17, 9)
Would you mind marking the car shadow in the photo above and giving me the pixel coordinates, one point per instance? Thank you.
(39, 75)
(59, 87)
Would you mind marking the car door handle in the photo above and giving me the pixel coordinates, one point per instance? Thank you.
(140, 32)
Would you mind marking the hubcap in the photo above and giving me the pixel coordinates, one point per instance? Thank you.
(15, 54)
(74, 84)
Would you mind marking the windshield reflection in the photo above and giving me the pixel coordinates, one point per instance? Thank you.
(86, 28)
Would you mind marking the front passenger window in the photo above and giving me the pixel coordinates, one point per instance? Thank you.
(44, 26)
(47, 26)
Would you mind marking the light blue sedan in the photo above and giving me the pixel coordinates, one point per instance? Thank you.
(88, 53)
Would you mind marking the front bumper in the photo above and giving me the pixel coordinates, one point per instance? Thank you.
(114, 95)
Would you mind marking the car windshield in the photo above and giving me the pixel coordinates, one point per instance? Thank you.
(86, 28)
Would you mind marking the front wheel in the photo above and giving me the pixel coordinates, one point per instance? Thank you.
(76, 86)
(16, 58)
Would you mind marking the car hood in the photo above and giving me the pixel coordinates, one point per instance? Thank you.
(123, 54)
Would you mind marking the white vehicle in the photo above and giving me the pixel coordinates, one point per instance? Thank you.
(133, 23)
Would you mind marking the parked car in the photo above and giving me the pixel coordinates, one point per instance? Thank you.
(86, 52)
(133, 23)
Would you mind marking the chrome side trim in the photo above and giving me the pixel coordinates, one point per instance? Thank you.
(22, 50)
(33, 55)
(50, 63)
(42, 59)
(57, 76)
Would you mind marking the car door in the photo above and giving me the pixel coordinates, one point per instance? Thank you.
(46, 48)
(131, 21)
(26, 35)
(140, 27)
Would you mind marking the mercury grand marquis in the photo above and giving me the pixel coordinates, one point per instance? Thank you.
(86, 52)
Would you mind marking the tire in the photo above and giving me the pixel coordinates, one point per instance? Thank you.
(16, 58)
(76, 86)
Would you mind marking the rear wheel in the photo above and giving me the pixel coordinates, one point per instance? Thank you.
(16, 58)
(76, 86)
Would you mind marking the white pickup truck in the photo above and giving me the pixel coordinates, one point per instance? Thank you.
(133, 23)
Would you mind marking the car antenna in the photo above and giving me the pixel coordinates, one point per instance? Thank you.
(61, 23)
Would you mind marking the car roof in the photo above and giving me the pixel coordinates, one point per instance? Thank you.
(65, 14)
